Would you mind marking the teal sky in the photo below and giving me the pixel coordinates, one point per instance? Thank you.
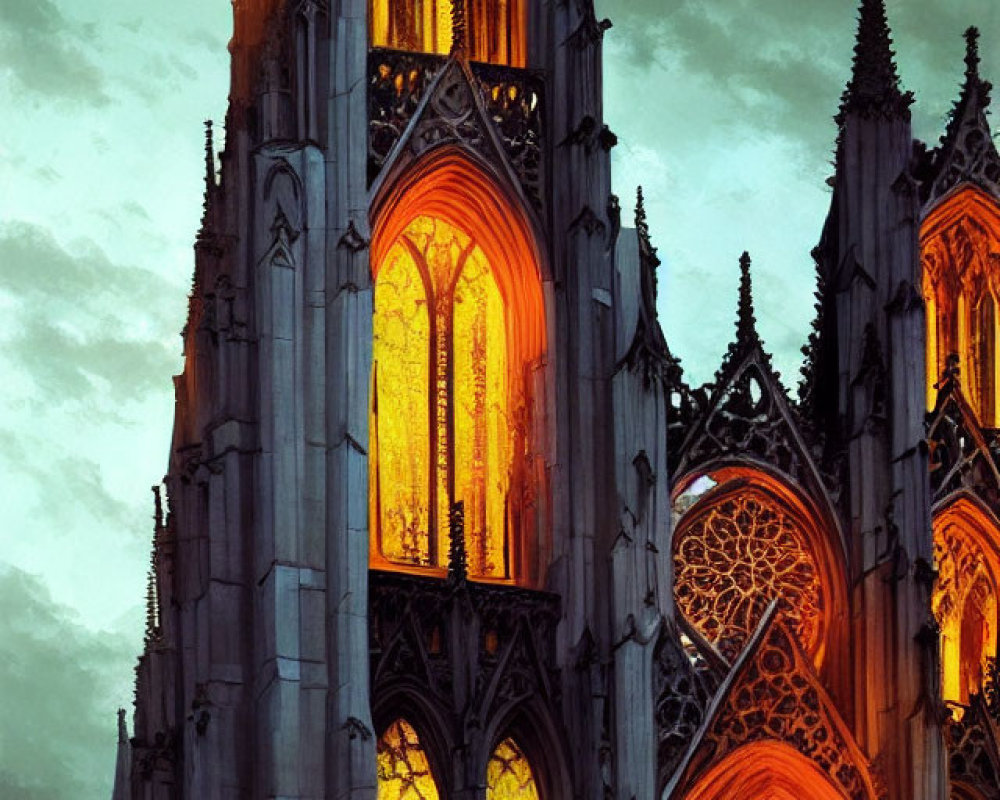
(723, 111)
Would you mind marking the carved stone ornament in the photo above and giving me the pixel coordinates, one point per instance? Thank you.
(747, 413)
(494, 110)
(961, 456)
(773, 694)
(967, 153)
(973, 755)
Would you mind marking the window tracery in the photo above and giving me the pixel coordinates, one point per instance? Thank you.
(509, 774)
(404, 773)
(960, 251)
(443, 427)
(737, 554)
(494, 28)
(965, 607)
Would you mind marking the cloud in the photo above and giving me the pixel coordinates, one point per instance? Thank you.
(61, 684)
(84, 327)
(44, 54)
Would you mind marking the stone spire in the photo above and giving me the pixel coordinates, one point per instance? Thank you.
(874, 89)
(210, 184)
(746, 321)
(967, 152)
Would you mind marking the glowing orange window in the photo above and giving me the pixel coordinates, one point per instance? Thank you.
(441, 424)
(494, 28)
(960, 253)
(965, 598)
(744, 540)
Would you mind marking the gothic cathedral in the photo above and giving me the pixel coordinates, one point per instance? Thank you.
(442, 517)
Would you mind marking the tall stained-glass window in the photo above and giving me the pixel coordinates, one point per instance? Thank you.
(965, 599)
(404, 772)
(442, 429)
(494, 28)
(509, 775)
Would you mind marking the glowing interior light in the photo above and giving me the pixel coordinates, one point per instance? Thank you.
(960, 247)
(733, 557)
(509, 775)
(441, 428)
(403, 770)
(495, 28)
(964, 600)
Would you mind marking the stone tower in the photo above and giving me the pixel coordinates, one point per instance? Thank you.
(443, 518)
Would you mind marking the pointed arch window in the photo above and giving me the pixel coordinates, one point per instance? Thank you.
(458, 378)
(495, 29)
(960, 253)
(443, 427)
(404, 772)
(509, 775)
(965, 598)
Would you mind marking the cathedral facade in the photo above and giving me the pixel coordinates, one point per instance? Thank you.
(443, 518)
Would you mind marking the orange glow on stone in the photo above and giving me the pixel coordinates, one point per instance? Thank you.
(965, 597)
(458, 325)
(765, 771)
(509, 775)
(404, 772)
(959, 246)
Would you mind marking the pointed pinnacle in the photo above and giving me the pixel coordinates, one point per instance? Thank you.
(209, 154)
(972, 54)
(874, 88)
(746, 324)
(641, 223)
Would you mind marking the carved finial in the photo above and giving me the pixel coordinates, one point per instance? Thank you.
(458, 563)
(122, 727)
(209, 177)
(458, 33)
(746, 324)
(157, 508)
(209, 154)
(874, 89)
(972, 54)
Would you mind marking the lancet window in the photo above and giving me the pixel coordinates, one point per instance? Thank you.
(443, 428)
(509, 774)
(404, 773)
(960, 252)
(739, 547)
(965, 599)
(494, 29)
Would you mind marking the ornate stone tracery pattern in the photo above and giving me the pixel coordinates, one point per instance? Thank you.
(960, 458)
(513, 100)
(736, 556)
(777, 697)
(973, 759)
(682, 694)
